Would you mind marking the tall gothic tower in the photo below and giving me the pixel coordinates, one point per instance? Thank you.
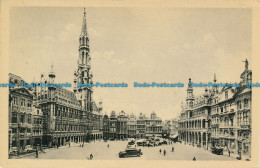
(190, 96)
(83, 73)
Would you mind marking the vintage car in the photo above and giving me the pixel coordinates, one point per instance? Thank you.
(151, 143)
(139, 143)
(131, 143)
(217, 150)
(28, 148)
(130, 152)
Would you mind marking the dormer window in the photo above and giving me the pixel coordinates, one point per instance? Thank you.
(226, 94)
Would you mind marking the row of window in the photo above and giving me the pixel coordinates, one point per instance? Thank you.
(73, 128)
(23, 102)
(22, 118)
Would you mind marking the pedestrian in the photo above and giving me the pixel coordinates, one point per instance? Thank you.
(82, 145)
(172, 149)
(228, 152)
(91, 156)
(69, 144)
(107, 145)
(36, 152)
(164, 152)
(194, 159)
(160, 151)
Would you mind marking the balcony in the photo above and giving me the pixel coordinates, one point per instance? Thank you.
(215, 136)
(245, 126)
(227, 126)
(227, 136)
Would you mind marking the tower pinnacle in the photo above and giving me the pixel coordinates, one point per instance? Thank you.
(84, 25)
(215, 79)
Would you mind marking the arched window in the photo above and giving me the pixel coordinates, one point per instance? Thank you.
(245, 102)
(82, 57)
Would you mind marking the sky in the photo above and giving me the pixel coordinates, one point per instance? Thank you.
(133, 45)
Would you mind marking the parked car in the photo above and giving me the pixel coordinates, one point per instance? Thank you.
(111, 139)
(217, 150)
(28, 148)
(130, 152)
(150, 144)
(140, 143)
(131, 143)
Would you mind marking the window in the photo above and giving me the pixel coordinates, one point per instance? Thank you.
(239, 119)
(245, 102)
(28, 130)
(29, 119)
(15, 100)
(14, 118)
(14, 144)
(238, 104)
(29, 104)
(22, 102)
(225, 107)
(22, 130)
(226, 94)
(14, 130)
(245, 118)
(22, 118)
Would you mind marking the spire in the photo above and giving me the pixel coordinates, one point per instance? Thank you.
(215, 79)
(52, 73)
(84, 25)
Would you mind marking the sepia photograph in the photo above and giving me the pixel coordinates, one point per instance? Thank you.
(124, 84)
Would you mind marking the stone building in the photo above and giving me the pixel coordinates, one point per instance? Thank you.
(122, 126)
(106, 127)
(62, 114)
(194, 123)
(20, 124)
(37, 126)
(140, 129)
(131, 126)
(219, 117)
(153, 126)
(113, 126)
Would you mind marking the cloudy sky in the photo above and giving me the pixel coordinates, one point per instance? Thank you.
(133, 45)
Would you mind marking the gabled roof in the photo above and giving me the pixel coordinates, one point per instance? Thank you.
(22, 90)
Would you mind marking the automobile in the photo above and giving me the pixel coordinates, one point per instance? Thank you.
(217, 150)
(130, 139)
(140, 143)
(28, 148)
(150, 144)
(157, 143)
(111, 139)
(131, 146)
(131, 143)
(130, 152)
(164, 142)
